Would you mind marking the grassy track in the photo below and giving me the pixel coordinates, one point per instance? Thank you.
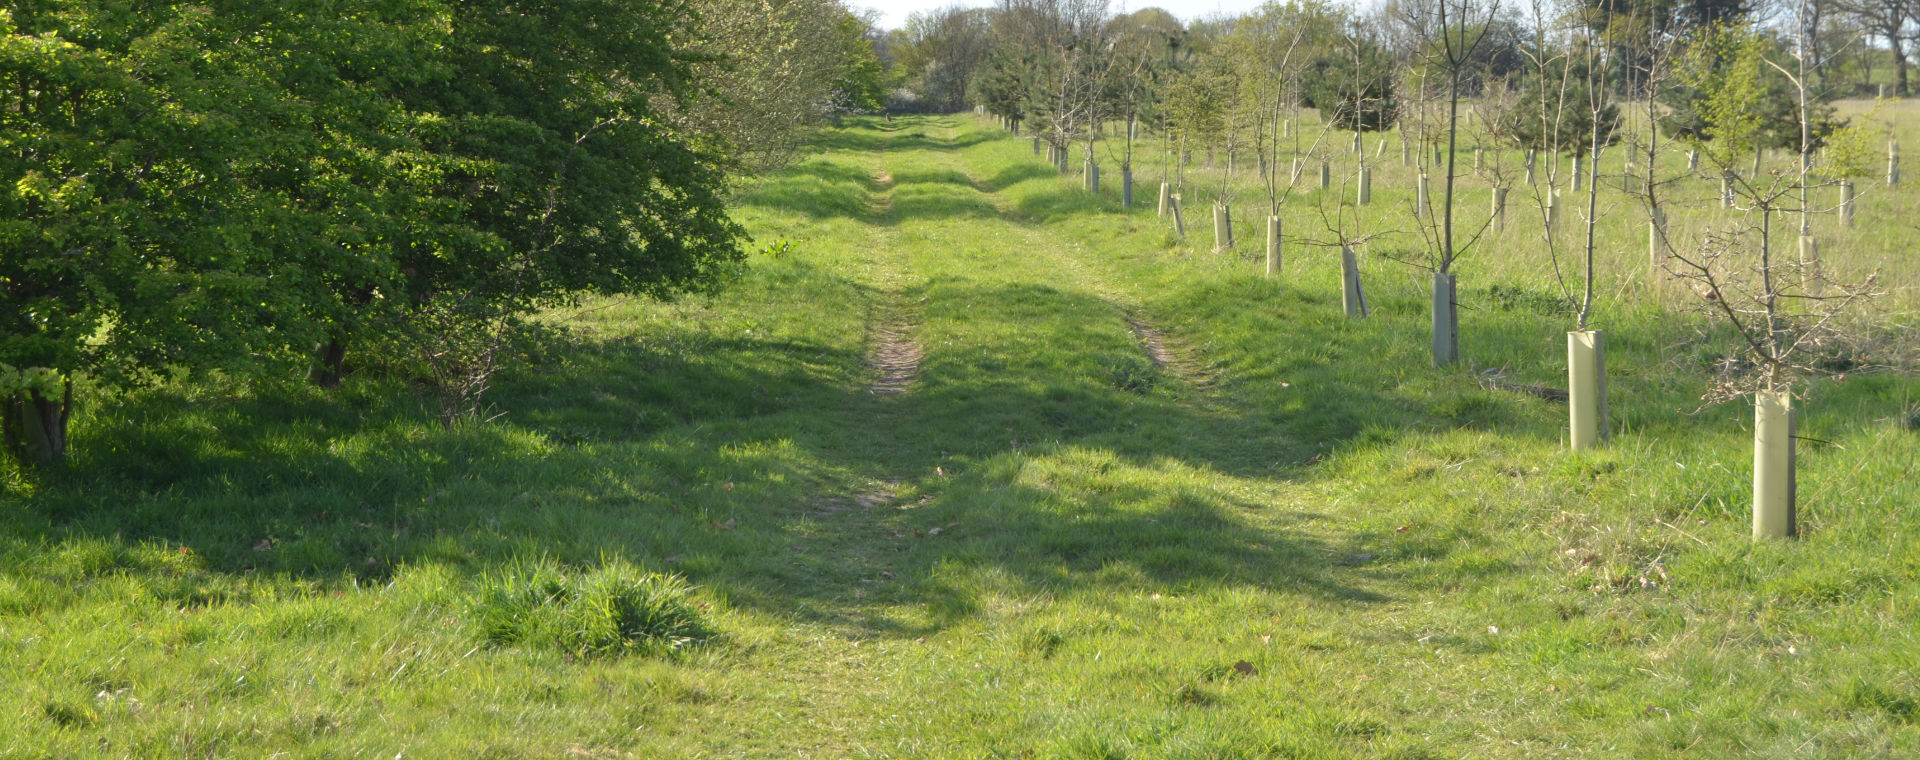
(1287, 537)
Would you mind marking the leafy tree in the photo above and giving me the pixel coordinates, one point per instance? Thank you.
(1630, 30)
(771, 68)
(1198, 99)
(1557, 109)
(1726, 96)
(142, 231)
(942, 54)
(229, 185)
(1004, 84)
(861, 81)
(1353, 86)
(547, 171)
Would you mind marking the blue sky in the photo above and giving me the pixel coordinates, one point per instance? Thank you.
(894, 12)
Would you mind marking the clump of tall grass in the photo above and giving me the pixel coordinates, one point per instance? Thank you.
(614, 609)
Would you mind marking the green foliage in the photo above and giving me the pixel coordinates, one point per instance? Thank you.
(1621, 19)
(860, 79)
(611, 610)
(1103, 559)
(1854, 150)
(1728, 98)
(136, 232)
(1198, 99)
(768, 70)
(39, 380)
(1353, 85)
(942, 55)
(1559, 110)
(1495, 53)
(1004, 84)
(227, 186)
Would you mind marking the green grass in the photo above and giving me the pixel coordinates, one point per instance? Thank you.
(1295, 540)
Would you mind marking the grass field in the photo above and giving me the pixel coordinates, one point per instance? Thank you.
(1135, 501)
(1883, 229)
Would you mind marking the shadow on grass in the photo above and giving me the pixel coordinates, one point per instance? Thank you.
(724, 459)
(870, 134)
(1043, 449)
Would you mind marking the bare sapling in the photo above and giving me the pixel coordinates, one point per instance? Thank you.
(1780, 313)
(1461, 27)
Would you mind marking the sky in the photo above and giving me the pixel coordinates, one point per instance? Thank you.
(893, 13)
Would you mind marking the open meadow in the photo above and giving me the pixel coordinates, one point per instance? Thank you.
(971, 463)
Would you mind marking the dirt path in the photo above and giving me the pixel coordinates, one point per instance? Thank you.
(1151, 342)
(893, 355)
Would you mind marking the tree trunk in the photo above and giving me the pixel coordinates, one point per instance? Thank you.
(329, 366)
(35, 426)
(1657, 239)
(1899, 65)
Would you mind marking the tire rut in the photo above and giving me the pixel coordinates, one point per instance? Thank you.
(893, 355)
(1167, 358)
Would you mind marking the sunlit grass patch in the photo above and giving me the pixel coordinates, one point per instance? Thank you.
(613, 609)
